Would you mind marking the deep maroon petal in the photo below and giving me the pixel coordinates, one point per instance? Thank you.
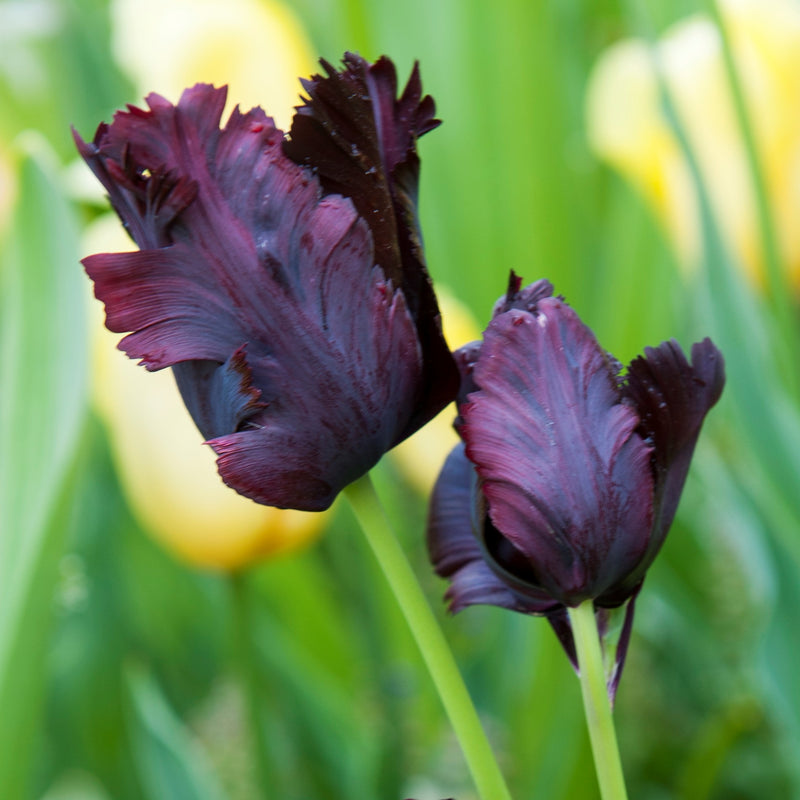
(454, 550)
(526, 299)
(466, 358)
(559, 621)
(357, 136)
(361, 141)
(175, 313)
(672, 399)
(624, 640)
(331, 420)
(566, 477)
(451, 543)
(261, 292)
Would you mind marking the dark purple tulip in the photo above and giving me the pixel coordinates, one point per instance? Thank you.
(570, 472)
(283, 280)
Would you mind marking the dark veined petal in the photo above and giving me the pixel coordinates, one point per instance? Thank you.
(566, 477)
(329, 422)
(525, 299)
(246, 283)
(454, 550)
(466, 358)
(623, 641)
(559, 622)
(672, 398)
(360, 139)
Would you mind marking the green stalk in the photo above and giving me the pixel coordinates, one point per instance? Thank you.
(430, 640)
(248, 674)
(596, 703)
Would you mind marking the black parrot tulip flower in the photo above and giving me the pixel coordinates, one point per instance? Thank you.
(281, 278)
(569, 472)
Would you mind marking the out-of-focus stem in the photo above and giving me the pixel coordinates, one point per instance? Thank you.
(431, 641)
(248, 673)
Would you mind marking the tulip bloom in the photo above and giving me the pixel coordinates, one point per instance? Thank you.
(628, 128)
(170, 483)
(282, 279)
(569, 474)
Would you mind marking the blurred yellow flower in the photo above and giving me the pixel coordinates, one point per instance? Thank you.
(627, 127)
(169, 478)
(257, 47)
(421, 456)
(8, 188)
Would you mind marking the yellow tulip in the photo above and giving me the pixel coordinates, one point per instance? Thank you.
(169, 478)
(8, 188)
(258, 49)
(627, 128)
(421, 456)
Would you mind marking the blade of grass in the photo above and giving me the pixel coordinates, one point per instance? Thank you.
(748, 336)
(779, 295)
(42, 405)
(170, 765)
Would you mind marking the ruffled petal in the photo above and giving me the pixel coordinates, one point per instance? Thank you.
(672, 399)
(360, 139)
(566, 477)
(327, 419)
(246, 283)
(525, 299)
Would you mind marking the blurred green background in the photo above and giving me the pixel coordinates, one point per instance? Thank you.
(118, 675)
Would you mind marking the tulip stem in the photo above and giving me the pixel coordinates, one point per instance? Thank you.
(430, 639)
(596, 703)
(248, 673)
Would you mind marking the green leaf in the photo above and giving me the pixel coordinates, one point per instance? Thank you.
(752, 341)
(170, 763)
(42, 408)
(76, 786)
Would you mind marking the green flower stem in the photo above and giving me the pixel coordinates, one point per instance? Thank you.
(248, 673)
(430, 640)
(596, 703)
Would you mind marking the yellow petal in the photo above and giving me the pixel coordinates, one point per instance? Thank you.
(169, 477)
(765, 35)
(257, 47)
(627, 128)
(8, 188)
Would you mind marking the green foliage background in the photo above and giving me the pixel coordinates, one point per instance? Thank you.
(116, 676)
